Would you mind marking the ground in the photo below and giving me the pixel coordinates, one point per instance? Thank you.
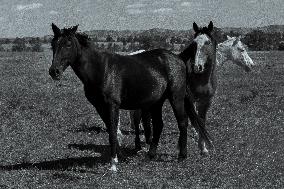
(51, 137)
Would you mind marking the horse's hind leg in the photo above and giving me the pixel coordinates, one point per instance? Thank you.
(177, 104)
(119, 133)
(156, 114)
(202, 108)
(146, 122)
(136, 118)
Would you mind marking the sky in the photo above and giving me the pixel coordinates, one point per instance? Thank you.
(19, 18)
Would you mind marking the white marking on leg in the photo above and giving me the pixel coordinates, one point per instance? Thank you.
(119, 133)
(204, 149)
(114, 162)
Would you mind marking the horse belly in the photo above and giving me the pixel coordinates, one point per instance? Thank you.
(138, 97)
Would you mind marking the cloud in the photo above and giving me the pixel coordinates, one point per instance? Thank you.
(163, 10)
(136, 6)
(135, 11)
(28, 6)
(53, 12)
(185, 4)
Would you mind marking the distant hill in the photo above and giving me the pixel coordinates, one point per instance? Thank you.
(180, 33)
(258, 38)
(265, 29)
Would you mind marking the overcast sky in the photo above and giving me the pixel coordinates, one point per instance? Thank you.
(34, 17)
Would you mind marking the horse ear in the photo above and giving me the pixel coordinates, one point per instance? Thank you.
(210, 26)
(74, 29)
(55, 30)
(236, 41)
(195, 27)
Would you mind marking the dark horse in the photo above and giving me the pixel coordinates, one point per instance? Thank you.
(200, 56)
(112, 82)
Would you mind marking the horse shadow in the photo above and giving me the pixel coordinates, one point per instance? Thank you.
(99, 129)
(69, 163)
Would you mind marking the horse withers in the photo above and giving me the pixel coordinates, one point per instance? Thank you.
(112, 82)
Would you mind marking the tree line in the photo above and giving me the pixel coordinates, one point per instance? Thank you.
(255, 40)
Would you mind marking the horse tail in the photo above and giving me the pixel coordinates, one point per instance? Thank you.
(195, 120)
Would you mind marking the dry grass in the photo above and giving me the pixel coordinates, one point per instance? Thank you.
(51, 137)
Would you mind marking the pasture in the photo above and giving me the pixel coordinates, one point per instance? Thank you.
(52, 137)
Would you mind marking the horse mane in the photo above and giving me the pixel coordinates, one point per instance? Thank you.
(189, 52)
(83, 38)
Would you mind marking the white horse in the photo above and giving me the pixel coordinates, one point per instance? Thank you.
(232, 50)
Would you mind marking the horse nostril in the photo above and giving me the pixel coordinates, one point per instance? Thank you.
(57, 72)
(200, 68)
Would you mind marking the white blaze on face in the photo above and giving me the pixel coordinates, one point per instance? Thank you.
(200, 57)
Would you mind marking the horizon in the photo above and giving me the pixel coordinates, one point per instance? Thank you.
(33, 18)
(140, 30)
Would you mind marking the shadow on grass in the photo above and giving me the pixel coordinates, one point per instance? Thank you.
(98, 129)
(69, 163)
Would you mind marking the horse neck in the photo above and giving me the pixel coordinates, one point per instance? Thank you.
(209, 72)
(89, 66)
(188, 53)
(223, 53)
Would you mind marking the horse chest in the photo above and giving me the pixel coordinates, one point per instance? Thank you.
(203, 90)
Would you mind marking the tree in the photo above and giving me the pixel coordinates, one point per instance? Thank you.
(19, 45)
(36, 45)
(109, 39)
(281, 46)
(146, 42)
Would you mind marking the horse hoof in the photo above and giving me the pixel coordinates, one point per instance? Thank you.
(151, 155)
(138, 148)
(182, 157)
(204, 153)
(113, 169)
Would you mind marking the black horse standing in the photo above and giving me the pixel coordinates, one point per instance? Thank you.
(200, 57)
(112, 82)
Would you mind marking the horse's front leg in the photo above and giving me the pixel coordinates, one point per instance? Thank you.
(111, 123)
(202, 107)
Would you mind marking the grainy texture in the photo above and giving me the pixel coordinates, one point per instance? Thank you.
(49, 138)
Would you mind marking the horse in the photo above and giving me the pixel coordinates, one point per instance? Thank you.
(112, 82)
(233, 50)
(202, 81)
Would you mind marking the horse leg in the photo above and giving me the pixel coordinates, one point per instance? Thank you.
(133, 116)
(156, 114)
(202, 108)
(109, 114)
(146, 122)
(136, 116)
(119, 133)
(177, 104)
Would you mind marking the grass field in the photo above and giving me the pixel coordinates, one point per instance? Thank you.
(51, 137)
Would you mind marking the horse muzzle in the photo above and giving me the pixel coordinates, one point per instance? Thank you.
(198, 69)
(55, 73)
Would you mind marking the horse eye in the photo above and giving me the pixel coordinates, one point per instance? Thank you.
(69, 44)
(242, 50)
